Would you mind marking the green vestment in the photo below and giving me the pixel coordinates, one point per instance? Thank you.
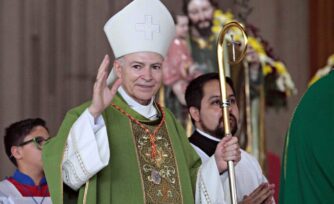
(307, 174)
(128, 178)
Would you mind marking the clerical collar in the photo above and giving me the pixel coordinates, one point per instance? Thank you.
(148, 111)
(207, 135)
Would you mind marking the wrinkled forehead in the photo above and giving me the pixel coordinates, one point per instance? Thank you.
(144, 57)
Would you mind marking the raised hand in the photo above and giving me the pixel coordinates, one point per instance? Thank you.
(228, 149)
(261, 195)
(102, 94)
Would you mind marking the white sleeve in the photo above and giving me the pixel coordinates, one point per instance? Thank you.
(87, 150)
(209, 188)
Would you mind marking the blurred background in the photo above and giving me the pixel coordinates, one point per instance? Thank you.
(50, 51)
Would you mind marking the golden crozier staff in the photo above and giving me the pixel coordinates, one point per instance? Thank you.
(225, 102)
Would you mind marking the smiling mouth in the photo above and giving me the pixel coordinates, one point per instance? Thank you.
(146, 86)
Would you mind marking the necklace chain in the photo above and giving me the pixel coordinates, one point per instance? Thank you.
(147, 131)
(35, 201)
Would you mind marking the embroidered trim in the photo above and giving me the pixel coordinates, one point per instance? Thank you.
(159, 176)
(71, 169)
(77, 154)
(203, 188)
(151, 134)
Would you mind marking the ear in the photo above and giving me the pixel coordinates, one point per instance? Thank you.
(16, 152)
(194, 113)
(118, 68)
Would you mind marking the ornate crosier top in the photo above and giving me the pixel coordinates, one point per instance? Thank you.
(275, 71)
(153, 134)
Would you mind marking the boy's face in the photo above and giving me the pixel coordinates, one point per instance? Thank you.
(29, 156)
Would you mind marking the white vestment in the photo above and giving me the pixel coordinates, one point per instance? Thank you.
(248, 173)
(88, 139)
(10, 195)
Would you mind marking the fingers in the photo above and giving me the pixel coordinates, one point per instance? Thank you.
(231, 149)
(270, 200)
(263, 193)
(234, 156)
(98, 100)
(257, 190)
(101, 82)
(102, 73)
(231, 141)
(115, 86)
(103, 67)
(267, 198)
(227, 149)
(229, 145)
(222, 143)
(226, 139)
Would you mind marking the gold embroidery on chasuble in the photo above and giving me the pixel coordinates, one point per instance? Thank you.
(159, 175)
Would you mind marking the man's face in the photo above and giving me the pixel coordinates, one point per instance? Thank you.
(30, 157)
(182, 27)
(141, 75)
(210, 115)
(200, 13)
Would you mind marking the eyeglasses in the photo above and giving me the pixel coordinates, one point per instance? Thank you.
(38, 142)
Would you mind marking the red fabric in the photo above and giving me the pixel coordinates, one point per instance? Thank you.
(178, 59)
(274, 170)
(30, 191)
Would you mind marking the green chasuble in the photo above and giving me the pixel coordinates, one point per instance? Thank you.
(307, 174)
(132, 175)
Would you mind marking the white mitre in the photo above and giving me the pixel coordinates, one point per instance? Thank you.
(141, 26)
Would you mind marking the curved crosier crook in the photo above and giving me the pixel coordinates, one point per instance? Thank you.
(225, 103)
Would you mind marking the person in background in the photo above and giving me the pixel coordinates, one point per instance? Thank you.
(178, 69)
(307, 173)
(204, 105)
(122, 146)
(23, 144)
